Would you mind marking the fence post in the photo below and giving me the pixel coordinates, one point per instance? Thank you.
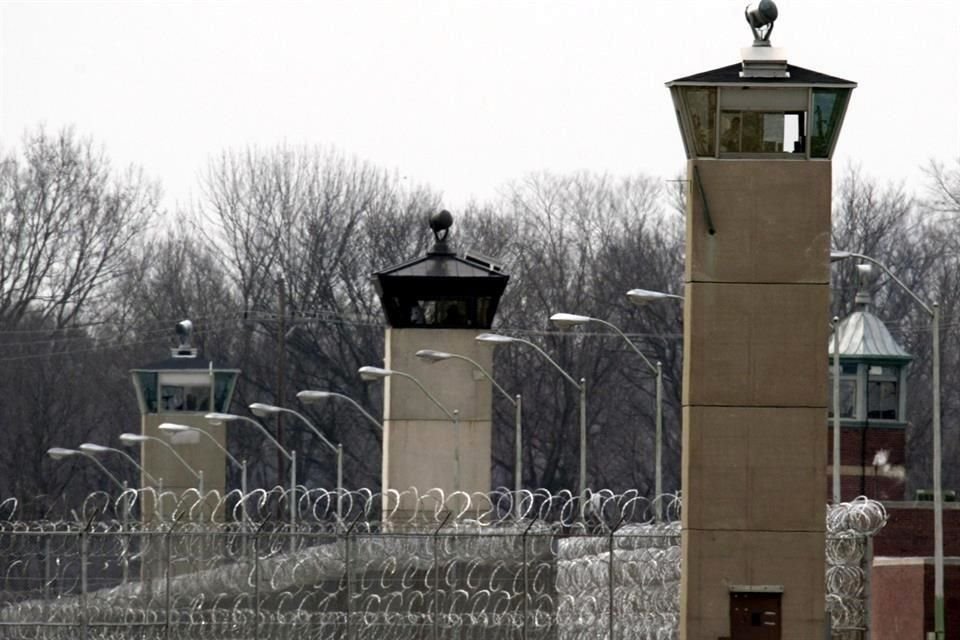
(610, 569)
(256, 578)
(867, 599)
(347, 571)
(168, 571)
(84, 552)
(526, 575)
(436, 578)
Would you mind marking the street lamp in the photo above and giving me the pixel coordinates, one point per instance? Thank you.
(131, 439)
(496, 338)
(174, 429)
(314, 397)
(291, 456)
(261, 410)
(641, 297)
(59, 453)
(432, 356)
(566, 320)
(933, 310)
(89, 447)
(370, 374)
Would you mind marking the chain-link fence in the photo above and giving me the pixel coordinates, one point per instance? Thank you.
(404, 565)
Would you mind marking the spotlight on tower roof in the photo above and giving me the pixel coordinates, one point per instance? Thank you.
(761, 16)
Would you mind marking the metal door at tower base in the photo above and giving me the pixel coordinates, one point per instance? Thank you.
(755, 616)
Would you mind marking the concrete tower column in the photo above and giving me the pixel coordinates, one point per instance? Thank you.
(759, 136)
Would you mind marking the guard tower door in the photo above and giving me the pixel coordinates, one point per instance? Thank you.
(754, 616)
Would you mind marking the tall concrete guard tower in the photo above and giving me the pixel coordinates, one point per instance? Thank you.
(182, 389)
(759, 136)
(439, 301)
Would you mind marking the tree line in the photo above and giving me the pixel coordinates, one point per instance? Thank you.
(273, 264)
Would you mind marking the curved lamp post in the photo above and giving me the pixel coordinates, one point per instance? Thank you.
(131, 439)
(262, 410)
(310, 396)
(370, 374)
(641, 297)
(496, 338)
(566, 320)
(59, 453)
(90, 447)
(430, 355)
(173, 429)
(291, 456)
(932, 310)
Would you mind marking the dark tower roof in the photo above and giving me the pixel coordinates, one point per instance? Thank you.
(731, 75)
(441, 289)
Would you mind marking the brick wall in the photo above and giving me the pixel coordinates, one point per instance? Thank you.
(909, 530)
(859, 477)
(902, 598)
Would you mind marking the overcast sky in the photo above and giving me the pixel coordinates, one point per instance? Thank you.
(460, 95)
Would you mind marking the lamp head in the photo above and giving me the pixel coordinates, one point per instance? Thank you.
(373, 373)
(219, 418)
(433, 356)
(567, 320)
(493, 338)
(131, 439)
(170, 427)
(59, 453)
(643, 296)
(310, 396)
(262, 410)
(837, 256)
(89, 447)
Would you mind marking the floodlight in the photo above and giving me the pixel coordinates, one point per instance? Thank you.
(761, 14)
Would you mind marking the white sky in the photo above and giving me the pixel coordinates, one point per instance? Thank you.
(460, 95)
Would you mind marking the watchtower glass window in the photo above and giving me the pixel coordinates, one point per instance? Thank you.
(724, 115)
(869, 391)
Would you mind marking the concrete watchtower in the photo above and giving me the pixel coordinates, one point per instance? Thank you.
(759, 136)
(438, 301)
(182, 389)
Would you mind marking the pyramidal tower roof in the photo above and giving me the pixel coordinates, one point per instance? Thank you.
(864, 336)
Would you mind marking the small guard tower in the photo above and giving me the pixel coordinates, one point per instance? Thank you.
(759, 135)
(439, 301)
(873, 401)
(182, 389)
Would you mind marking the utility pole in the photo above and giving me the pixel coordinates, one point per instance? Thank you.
(281, 368)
